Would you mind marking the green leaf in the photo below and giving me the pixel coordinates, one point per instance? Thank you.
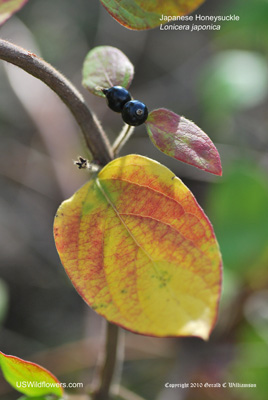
(9, 7)
(29, 378)
(141, 14)
(104, 67)
(180, 138)
(140, 251)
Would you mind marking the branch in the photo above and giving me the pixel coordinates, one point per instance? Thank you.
(110, 363)
(99, 146)
(95, 138)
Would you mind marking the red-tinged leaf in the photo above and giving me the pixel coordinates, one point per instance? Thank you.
(180, 138)
(140, 251)
(29, 378)
(146, 14)
(104, 67)
(9, 7)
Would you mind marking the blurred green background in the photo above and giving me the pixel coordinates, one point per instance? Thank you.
(217, 79)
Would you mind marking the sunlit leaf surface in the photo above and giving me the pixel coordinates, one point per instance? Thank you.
(29, 378)
(104, 67)
(140, 250)
(9, 7)
(146, 14)
(180, 138)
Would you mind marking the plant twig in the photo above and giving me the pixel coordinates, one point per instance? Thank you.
(122, 138)
(95, 138)
(110, 363)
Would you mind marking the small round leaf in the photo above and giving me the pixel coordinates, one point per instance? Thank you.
(104, 67)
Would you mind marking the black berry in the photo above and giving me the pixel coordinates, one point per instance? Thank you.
(117, 97)
(134, 113)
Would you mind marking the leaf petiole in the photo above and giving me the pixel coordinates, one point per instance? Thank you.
(122, 138)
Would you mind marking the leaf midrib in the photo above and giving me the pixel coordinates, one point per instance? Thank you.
(165, 223)
(98, 183)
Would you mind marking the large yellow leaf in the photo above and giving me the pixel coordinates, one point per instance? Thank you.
(140, 251)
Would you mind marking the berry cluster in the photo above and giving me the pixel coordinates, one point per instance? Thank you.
(133, 112)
